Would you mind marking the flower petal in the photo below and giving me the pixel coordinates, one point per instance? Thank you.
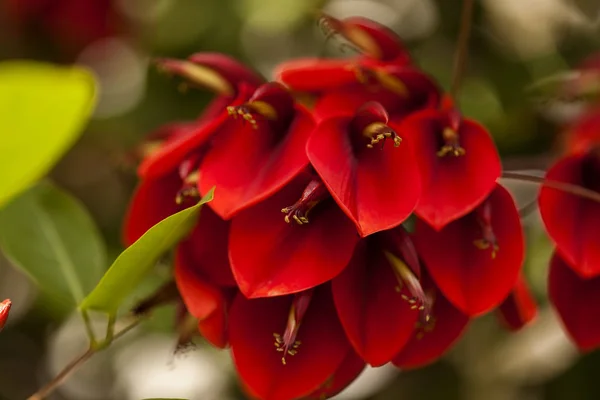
(323, 345)
(377, 320)
(153, 201)
(377, 188)
(431, 342)
(452, 185)
(577, 301)
(347, 372)
(572, 221)
(519, 308)
(475, 279)
(269, 257)
(205, 250)
(247, 165)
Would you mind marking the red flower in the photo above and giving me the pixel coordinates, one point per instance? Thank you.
(378, 296)
(577, 301)
(475, 260)
(204, 277)
(433, 338)
(519, 308)
(4, 310)
(289, 346)
(572, 221)
(457, 160)
(370, 173)
(378, 46)
(270, 257)
(255, 155)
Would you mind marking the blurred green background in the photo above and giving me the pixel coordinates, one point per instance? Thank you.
(515, 43)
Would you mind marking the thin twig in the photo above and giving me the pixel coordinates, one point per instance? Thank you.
(562, 186)
(462, 46)
(74, 365)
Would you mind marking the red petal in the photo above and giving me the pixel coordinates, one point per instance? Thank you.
(214, 328)
(201, 297)
(270, 257)
(519, 308)
(4, 310)
(205, 250)
(153, 201)
(452, 186)
(572, 221)
(377, 188)
(376, 319)
(316, 74)
(173, 153)
(470, 277)
(426, 346)
(347, 372)
(322, 350)
(247, 165)
(577, 302)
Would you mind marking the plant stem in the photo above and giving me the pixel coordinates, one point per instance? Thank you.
(74, 365)
(462, 46)
(562, 186)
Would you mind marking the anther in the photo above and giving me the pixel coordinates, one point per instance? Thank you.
(379, 132)
(313, 194)
(452, 146)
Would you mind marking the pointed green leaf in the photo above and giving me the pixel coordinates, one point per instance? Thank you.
(52, 238)
(43, 109)
(136, 261)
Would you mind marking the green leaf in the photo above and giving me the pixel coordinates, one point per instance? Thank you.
(50, 236)
(43, 109)
(136, 261)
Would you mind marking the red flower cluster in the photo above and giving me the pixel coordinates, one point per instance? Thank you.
(301, 263)
(572, 222)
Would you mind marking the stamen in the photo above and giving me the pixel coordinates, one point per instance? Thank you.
(379, 132)
(287, 343)
(248, 110)
(417, 300)
(452, 145)
(312, 195)
(488, 241)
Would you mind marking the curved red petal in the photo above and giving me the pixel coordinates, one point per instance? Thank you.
(429, 343)
(519, 308)
(472, 278)
(572, 221)
(315, 74)
(205, 250)
(248, 165)
(577, 301)
(377, 188)
(270, 257)
(322, 349)
(153, 201)
(201, 297)
(347, 372)
(377, 321)
(452, 186)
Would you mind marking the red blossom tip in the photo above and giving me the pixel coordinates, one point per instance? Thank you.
(312, 195)
(217, 72)
(287, 343)
(4, 310)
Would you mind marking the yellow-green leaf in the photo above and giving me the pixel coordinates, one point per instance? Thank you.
(43, 109)
(136, 261)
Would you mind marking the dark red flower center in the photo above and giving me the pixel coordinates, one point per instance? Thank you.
(451, 144)
(313, 194)
(488, 238)
(287, 343)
